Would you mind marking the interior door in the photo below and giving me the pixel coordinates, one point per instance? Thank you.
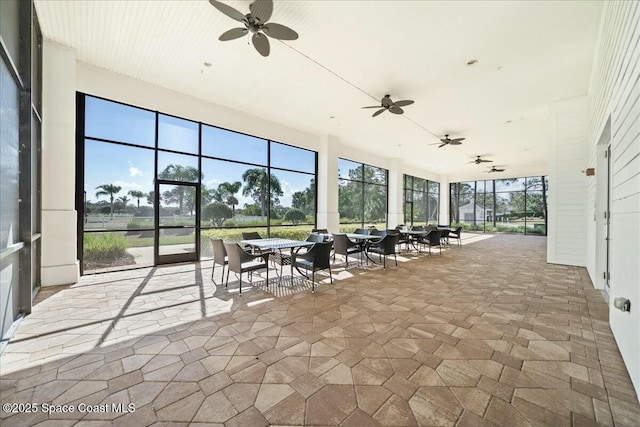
(177, 219)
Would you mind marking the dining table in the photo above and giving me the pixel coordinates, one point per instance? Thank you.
(278, 247)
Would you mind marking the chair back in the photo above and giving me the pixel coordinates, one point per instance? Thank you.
(434, 237)
(379, 232)
(219, 252)
(250, 235)
(320, 230)
(388, 243)
(341, 243)
(417, 228)
(362, 231)
(315, 237)
(234, 254)
(321, 253)
(457, 231)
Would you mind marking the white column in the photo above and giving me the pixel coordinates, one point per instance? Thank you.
(328, 215)
(60, 264)
(443, 214)
(395, 184)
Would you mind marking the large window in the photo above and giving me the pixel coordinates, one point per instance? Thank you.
(225, 181)
(20, 160)
(421, 201)
(514, 205)
(362, 195)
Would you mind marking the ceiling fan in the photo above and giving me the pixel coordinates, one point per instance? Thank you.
(448, 141)
(495, 169)
(478, 160)
(255, 22)
(386, 104)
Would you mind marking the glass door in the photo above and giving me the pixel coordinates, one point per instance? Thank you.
(177, 217)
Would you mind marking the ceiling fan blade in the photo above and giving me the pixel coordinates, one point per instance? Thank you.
(372, 106)
(261, 43)
(442, 145)
(227, 10)
(458, 139)
(486, 161)
(279, 32)
(232, 34)
(454, 142)
(403, 103)
(396, 110)
(377, 113)
(261, 9)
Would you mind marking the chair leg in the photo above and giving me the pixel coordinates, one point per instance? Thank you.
(330, 276)
(395, 258)
(240, 283)
(384, 262)
(213, 270)
(313, 281)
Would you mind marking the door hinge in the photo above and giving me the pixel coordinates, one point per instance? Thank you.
(606, 154)
(605, 215)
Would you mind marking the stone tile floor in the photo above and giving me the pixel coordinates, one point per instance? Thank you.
(484, 334)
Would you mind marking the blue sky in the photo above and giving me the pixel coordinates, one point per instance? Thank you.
(132, 168)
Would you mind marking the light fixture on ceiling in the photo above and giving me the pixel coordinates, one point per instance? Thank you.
(207, 64)
(472, 62)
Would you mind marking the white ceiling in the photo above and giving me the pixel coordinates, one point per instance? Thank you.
(350, 54)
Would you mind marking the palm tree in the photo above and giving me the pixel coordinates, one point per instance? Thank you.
(229, 190)
(256, 181)
(125, 201)
(138, 195)
(179, 173)
(108, 190)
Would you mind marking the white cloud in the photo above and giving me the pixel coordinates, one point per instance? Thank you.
(128, 185)
(134, 171)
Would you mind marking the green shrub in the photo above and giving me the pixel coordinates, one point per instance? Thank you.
(295, 216)
(104, 248)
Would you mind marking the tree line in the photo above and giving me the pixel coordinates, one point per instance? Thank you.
(218, 203)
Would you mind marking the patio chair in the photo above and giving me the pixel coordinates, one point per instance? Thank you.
(402, 237)
(342, 245)
(253, 235)
(456, 234)
(385, 246)
(315, 259)
(241, 261)
(219, 256)
(434, 239)
(444, 237)
(362, 231)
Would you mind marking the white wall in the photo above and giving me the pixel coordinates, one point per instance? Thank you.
(567, 182)
(615, 94)
(59, 260)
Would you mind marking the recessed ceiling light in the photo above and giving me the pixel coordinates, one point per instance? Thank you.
(509, 121)
(332, 117)
(207, 64)
(472, 62)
